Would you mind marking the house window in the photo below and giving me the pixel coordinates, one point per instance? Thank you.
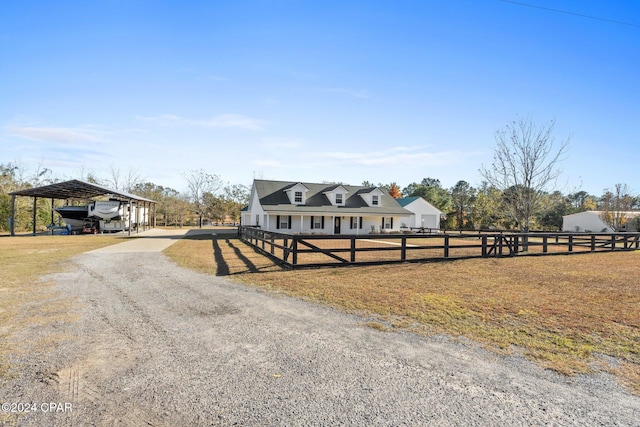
(387, 223)
(317, 222)
(257, 219)
(375, 200)
(283, 221)
(338, 199)
(356, 222)
(298, 197)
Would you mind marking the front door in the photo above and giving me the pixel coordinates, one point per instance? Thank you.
(336, 225)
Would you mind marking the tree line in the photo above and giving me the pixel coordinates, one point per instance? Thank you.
(486, 207)
(207, 199)
(517, 191)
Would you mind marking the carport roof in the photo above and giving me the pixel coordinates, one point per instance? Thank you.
(76, 189)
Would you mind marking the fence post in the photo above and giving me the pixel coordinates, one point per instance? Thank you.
(571, 243)
(295, 250)
(272, 244)
(353, 249)
(544, 244)
(613, 241)
(484, 246)
(403, 251)
(285, 251)
(593, 243)
(516, 244)
(446, 246)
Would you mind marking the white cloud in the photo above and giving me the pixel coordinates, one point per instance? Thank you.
(220, 121)
(70, 136)
(268, 163)
(281, 143)
(395, 158)
(391, 157)
(236, 121)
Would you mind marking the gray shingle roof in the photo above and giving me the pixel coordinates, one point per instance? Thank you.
(273, 198)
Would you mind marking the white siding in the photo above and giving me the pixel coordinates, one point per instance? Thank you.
(254, 211)
(429, 221)
(424, 214)
(584, 222)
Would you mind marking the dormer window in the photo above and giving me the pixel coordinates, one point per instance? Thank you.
(372, 197)
(297, 194)
(336, 195)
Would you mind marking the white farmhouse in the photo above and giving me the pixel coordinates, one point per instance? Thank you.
(300, 207)
(424, 214)
(591, 221)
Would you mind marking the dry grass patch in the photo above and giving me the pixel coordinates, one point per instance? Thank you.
(24, 298)
(563, 311)
(221, 255)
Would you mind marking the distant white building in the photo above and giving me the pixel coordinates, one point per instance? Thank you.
(591, 221)
(425, 215)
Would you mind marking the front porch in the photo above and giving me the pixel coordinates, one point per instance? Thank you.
(329, 224)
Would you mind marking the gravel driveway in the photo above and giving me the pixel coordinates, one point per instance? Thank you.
(158, 345)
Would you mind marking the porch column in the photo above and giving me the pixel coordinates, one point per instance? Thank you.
(301, 223)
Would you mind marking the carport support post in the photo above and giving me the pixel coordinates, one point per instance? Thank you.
(35, 200)
(129, 219)
(12, 230)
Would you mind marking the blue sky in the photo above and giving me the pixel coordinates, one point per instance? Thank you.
(383, 91)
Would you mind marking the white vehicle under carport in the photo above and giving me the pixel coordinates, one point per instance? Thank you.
(110, 215)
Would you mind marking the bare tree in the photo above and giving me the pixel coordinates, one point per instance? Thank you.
(114, 180)
(200, 182)
(525, 162)
(127, 182)
(89, 175)
(615, 206)
(41, 176)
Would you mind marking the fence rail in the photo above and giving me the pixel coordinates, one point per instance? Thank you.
(315, 250)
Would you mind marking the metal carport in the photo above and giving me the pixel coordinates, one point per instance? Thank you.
(77, 190)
